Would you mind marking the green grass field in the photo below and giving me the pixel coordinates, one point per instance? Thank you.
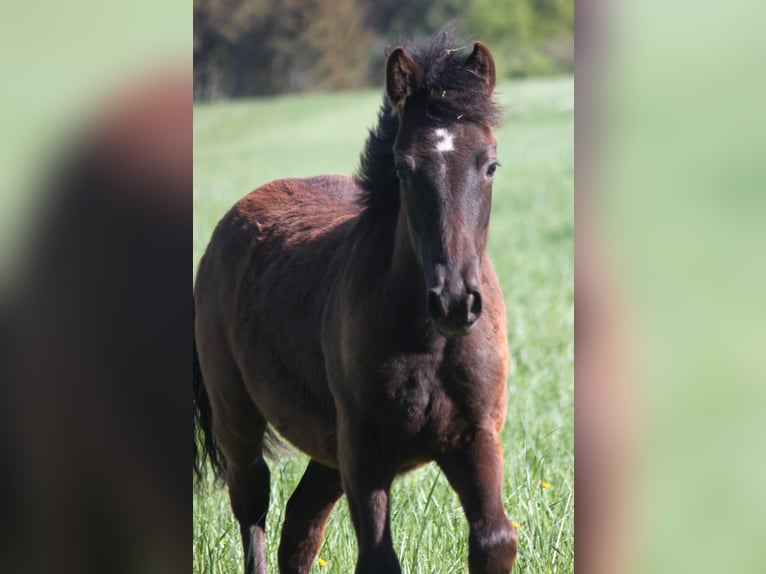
(238, 146)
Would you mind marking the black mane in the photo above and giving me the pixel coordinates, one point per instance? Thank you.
(452, 93)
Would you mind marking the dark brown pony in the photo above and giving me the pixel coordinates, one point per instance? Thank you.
(361, 318)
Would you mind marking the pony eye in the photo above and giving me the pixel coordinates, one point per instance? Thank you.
(491, 168)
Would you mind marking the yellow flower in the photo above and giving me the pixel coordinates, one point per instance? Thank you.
(322, 562)
(515, 524)
(545, 484)
(222, 542)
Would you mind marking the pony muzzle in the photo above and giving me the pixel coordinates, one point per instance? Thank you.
(454, 315)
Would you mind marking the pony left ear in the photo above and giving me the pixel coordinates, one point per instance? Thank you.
(402, 78)
(481, 63)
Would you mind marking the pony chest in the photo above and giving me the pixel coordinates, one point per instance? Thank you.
(412, 398)
(444, 397)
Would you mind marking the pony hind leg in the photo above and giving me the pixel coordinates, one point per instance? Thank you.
(249, 493)
(305, 517)
(239, 429)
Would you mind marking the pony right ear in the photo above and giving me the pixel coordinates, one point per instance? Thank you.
(403, 76)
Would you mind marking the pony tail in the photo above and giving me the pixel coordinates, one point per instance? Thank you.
(205, 447)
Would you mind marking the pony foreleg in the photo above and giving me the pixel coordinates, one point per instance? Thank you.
(475, 471)
(367, 482)
(305, 517)
(370, 511)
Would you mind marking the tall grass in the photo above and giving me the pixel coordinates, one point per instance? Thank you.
(241, 145)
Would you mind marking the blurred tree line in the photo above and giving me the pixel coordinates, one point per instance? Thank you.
(257, 47)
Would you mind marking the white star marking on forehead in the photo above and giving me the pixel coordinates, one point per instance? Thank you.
(444, 140)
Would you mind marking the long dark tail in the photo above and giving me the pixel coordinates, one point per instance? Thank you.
(205, 446)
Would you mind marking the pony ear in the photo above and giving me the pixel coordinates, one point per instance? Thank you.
(403, 76)
(481, 63)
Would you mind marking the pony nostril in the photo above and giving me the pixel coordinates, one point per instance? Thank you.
(473, 304)
(435, 305)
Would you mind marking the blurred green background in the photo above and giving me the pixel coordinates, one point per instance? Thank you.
(677, 193)
(256, 47)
